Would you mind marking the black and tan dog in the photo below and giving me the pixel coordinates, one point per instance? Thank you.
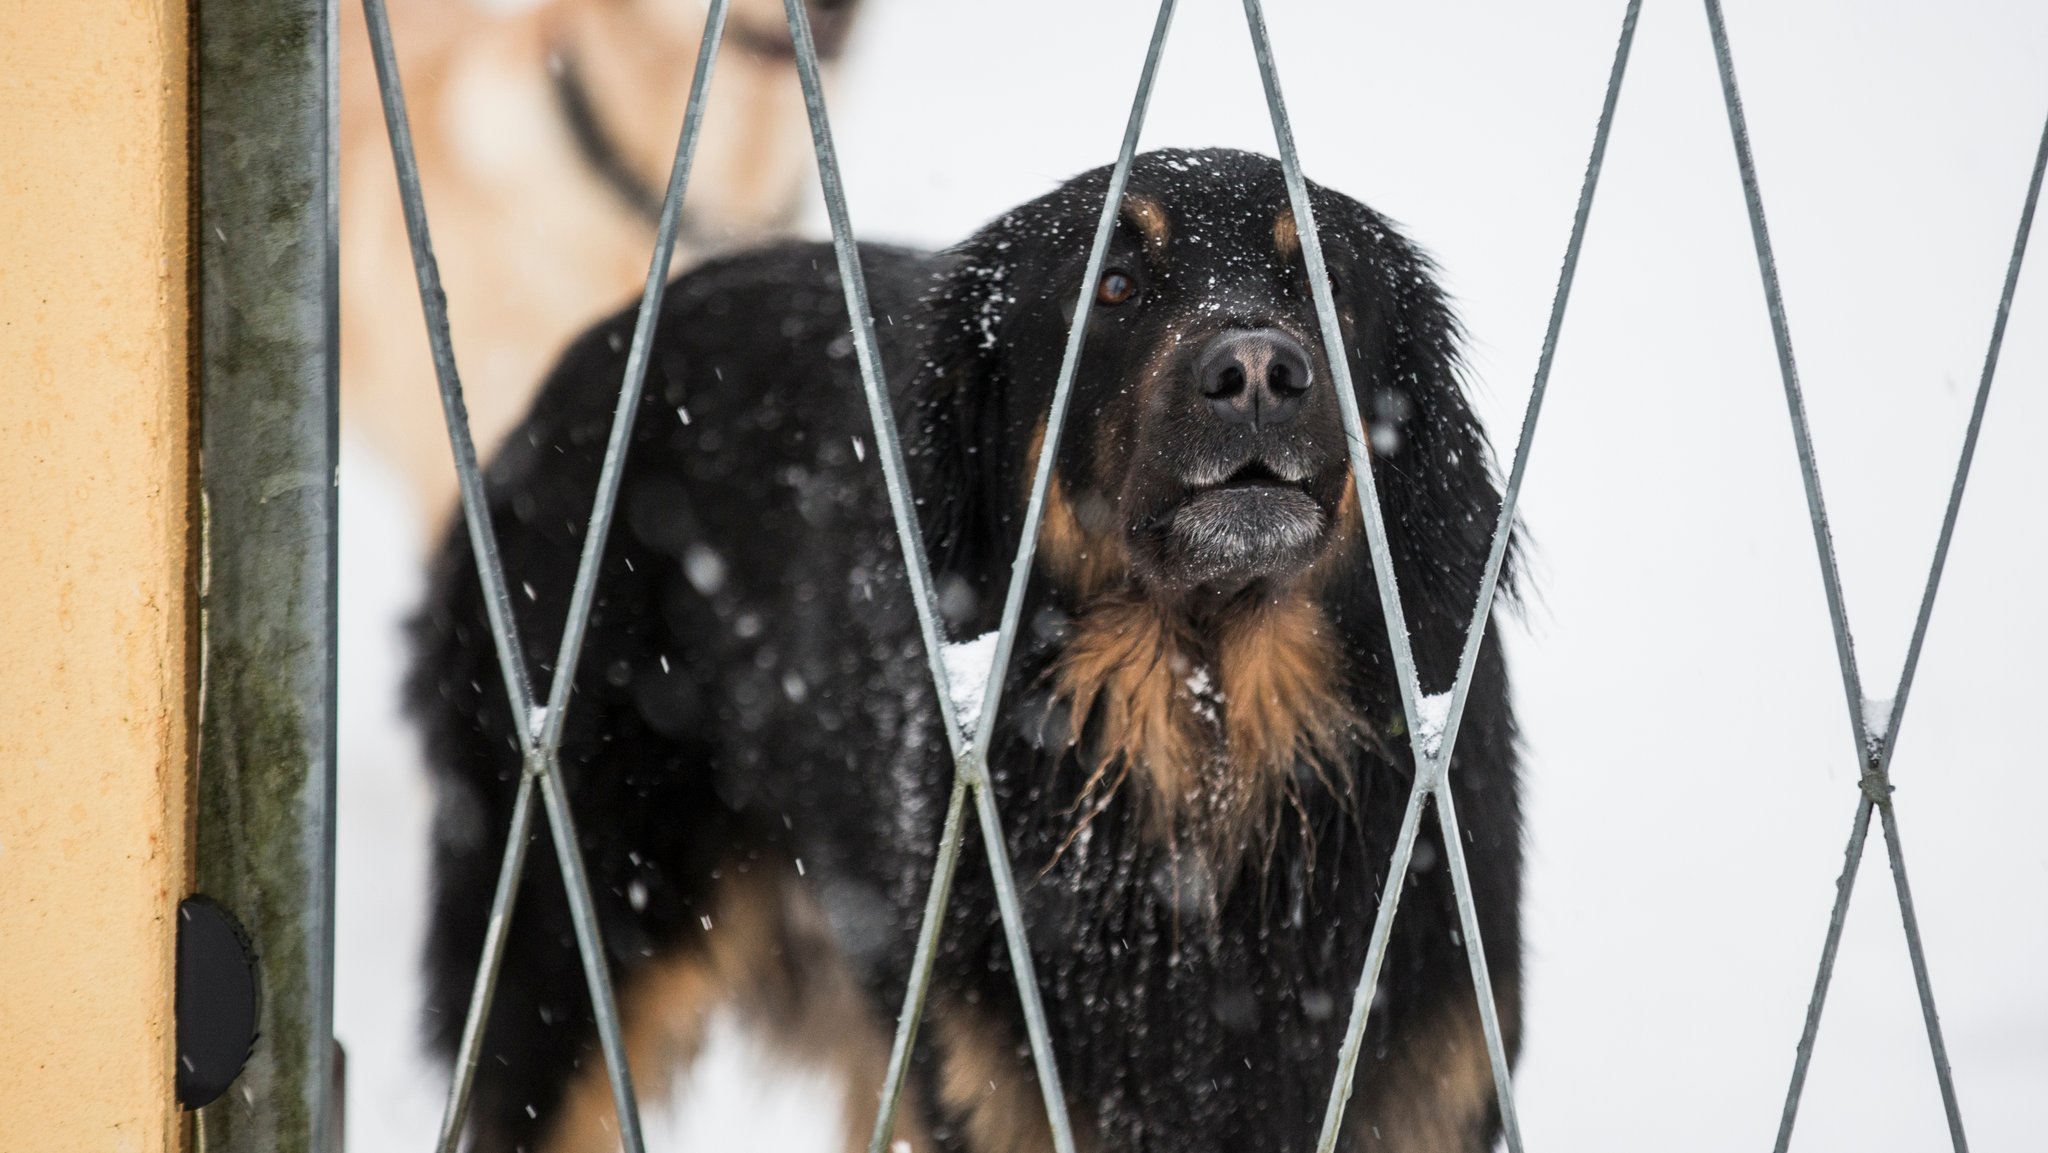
(1201, 765)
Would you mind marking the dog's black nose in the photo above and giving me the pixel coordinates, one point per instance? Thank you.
(1253, 376)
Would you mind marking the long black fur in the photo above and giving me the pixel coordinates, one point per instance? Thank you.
(754, 688)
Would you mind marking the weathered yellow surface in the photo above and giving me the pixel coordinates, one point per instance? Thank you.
(95, 506)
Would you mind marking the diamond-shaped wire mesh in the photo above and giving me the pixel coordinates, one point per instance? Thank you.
(1432, 744)
(540, 737)
(1874, 735)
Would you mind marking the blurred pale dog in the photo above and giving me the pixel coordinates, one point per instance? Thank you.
(545, 134)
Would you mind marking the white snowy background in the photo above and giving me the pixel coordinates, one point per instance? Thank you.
(1690, 773)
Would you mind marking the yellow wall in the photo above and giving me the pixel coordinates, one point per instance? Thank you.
(95, 635)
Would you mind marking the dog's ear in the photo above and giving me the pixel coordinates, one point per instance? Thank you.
(1432, 462)
(965, 449)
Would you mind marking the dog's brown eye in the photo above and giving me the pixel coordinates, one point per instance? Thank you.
(1115, 287)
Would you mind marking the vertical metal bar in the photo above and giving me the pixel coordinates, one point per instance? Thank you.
(1347, 396)
(969, 761)
(1852, 684)
(973, 764)
(1070, 361)
(1916, 950)
(483, 543)
(888, 445)
(590, 950)
(584, 593)
(1503, 526)
(1845, 886)
(1012, 913)
(1482, 612)
(1922, 985)
(1383, 570)
(476, 515)
(582, 913)
(919, 987)
(1475, 957)
(266, 362)
(1427, 763)
(1369, 977)
(1014, 935)
(1874, 747)
(1007, 902)
(541, 755)
(1428, 768)
(497, 930)
(582, 596)
(1969, 453)
(1431, 765)
(1795, 399)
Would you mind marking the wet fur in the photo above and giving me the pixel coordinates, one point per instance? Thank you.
(1200, 868)
(1215, 731)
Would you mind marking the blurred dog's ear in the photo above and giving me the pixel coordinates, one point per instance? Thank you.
(963, 450)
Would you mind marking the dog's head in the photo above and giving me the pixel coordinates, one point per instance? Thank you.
(1203, 454)
(1202, 534)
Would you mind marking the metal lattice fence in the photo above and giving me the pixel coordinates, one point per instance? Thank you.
(1431, 722)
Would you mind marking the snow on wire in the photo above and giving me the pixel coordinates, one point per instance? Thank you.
(968, 664)
(1874, 724)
